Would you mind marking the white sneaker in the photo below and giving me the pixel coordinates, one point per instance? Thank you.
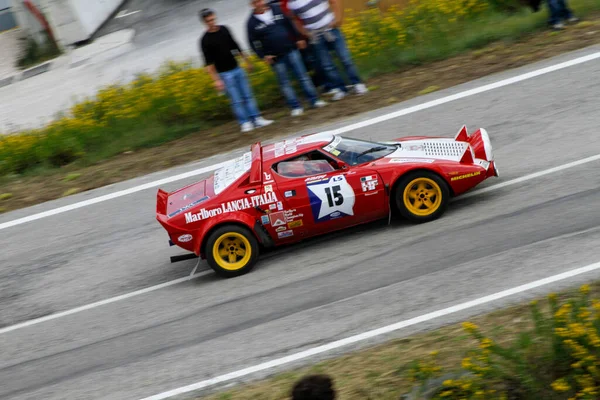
(260, 122)
(360, 88)
(338, 96)
(247, 127)
(297, 112)
(320, 103)
(333, 92)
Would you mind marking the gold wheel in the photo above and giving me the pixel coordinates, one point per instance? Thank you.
(232, 251)
(422, 196)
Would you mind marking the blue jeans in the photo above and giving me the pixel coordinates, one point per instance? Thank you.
(293, 61)
(558, 11)
(324, 59)
(310, 61)
(240, 93)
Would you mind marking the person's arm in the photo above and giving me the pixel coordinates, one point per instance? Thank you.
(234, 46)
(336, 6)
(209, 61)
(295, 21)
(255, 43)
(293, 32)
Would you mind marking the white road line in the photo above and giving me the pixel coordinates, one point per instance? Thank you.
(176, 281)
(107, 197)
(530, 176)
(373, 333)
(124, 13)
(101, 303)
(358, 125)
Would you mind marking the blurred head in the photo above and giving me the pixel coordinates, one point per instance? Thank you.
(260, 6)
(209, 17)
(314, 387)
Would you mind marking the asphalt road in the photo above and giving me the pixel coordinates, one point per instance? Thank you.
(308, 294)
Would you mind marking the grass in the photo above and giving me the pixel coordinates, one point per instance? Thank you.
(382, 372)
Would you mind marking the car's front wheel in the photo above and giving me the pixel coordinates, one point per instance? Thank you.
(231, 250)
(422, 196)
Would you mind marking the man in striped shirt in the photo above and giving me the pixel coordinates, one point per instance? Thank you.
(319, 20)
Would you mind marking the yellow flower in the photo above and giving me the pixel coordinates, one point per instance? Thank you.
(560, 385)
(470, 327)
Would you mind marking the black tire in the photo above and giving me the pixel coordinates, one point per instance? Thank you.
(239, 240)
(434, 190)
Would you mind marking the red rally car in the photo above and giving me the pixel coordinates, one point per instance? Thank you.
(311, 185)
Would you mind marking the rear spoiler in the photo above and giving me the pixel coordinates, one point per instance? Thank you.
(256, 166)
(161, 202)
(479, 145)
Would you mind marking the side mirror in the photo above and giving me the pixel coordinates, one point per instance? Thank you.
(342, 165)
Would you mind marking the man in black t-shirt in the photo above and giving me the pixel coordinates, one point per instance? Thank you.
(217, 45)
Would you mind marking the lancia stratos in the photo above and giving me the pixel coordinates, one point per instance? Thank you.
(288, 191)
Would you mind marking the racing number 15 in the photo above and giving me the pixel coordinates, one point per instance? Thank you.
(339, 198)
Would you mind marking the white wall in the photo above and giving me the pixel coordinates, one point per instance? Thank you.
(92, 14)
(72, 21)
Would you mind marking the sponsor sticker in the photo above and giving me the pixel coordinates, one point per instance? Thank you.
(291, 216)
(411, 160)
(414, 147)
(268, 177)
(368, 178)
(279, 205)
(230, 172)
(272, 206)
(268, 188)
(315, 178)
(231, 206)
(285, 234)
(281, 229)
(265, 219)
(331, 198)
(290, 193)
(182, 209)
(185, 238)
(277, 219)
(330, 148)
(295, 224)
(369, 185)
(465, 176)
(286, 147)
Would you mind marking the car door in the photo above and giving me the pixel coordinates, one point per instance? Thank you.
(329, 201)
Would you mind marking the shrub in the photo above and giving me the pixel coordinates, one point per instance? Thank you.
(557, 358)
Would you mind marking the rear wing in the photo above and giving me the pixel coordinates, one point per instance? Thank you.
(256, 166)
(161, 202)
(479, 145)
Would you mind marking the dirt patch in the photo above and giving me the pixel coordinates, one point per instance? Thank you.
(386, 90)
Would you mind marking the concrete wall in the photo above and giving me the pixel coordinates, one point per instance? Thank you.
(92, 14)
(72, 21)
(27, 22)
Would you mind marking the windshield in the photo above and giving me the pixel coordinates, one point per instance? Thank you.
(354, 151)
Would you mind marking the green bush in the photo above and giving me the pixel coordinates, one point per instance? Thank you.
(557, 358)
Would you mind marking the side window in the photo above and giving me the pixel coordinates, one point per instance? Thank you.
(313, 163)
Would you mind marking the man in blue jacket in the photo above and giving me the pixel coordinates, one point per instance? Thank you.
(274, 38)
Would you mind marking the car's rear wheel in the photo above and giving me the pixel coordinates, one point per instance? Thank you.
(231, 250)
(422, 196)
